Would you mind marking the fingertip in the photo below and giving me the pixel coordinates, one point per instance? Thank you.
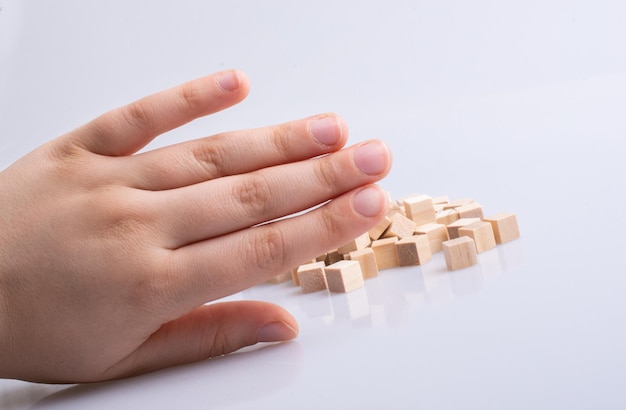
(328, 130)
(277, 331)
(232, 80)
(371, 201)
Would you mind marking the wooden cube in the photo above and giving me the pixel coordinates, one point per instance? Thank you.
(377, 231)
(436, 233)
(400, 226)
(420, 209)
(471, 210)
(367, 259)
(458, 202)
(360, 242)
(332, 257)
(447, 216)
(344, 276)
(505, 228)
(385, 253)
(482, 234)
(453, 228)
(460, 253)
(443, 199)
(414, 250)
(312, 277)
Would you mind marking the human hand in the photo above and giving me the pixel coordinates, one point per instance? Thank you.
(108, 256)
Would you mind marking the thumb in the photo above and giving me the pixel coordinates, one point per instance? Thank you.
(208, 331)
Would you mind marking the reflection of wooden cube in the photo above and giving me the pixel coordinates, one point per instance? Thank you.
(482, 234)
(385, 253)
(312, 277)
(367, 259)
(436, 234)
(420, 209)
(414, 250)
(400, 226)
(471, 210)
(360, 242)
(460, 253)
(344, 276)
(505, 228)
(453, 228)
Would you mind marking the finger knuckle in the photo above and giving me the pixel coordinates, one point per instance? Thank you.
(139, 115)
(280, 138)
(191, 97)
(327, 173)
(209, 160)
(267, 249)
(253, 196)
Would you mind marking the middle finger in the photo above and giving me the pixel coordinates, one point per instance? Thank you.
(229, 204)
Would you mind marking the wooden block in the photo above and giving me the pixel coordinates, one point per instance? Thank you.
(453, 228)
(332, 257)
(438, 208)
(385, 253)
(312, 277)
(367, 259)
(294, 276)
(377, 231)
(400, 226)
(420, 209)
(482, 234)
(280, 278)
(436, 233)
(458, 202)
(471, 210)
(443, 199)
(447, 216)
(344, 276)
(460, 253)
(414, 250)
(505, 228)
(360, 242)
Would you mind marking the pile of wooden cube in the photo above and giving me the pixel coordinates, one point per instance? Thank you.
(414, 229)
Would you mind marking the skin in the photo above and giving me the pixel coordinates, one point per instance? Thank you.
(108, 256)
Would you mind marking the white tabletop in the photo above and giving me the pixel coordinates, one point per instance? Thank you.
(518, 104)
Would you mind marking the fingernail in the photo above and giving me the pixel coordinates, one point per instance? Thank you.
(275, 332)
(228, 81)
(326, 130)
(372, 158)
(370, 201)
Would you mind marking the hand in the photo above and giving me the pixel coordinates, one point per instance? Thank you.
(108, 256)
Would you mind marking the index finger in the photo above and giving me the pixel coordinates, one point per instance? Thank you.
(127, 129)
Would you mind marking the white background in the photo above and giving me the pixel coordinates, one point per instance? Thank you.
(517, 104)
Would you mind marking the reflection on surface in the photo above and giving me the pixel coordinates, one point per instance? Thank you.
(387, 300)
(269, 369)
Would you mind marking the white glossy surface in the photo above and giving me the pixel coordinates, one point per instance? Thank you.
(519, 105)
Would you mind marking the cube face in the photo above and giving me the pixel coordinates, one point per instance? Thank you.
(344, 276)
(460, 253)
(482, 234)
(436, 233)
(420, 209)
(453, 228)
(280, 278)
(414, 250)
(367, 260)
(400, 227)
(447, 216)
(360, 242)
(505, 227)
(385, 253)
(458, 202)
(377, 231)
(312, 277)
(471, 210)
